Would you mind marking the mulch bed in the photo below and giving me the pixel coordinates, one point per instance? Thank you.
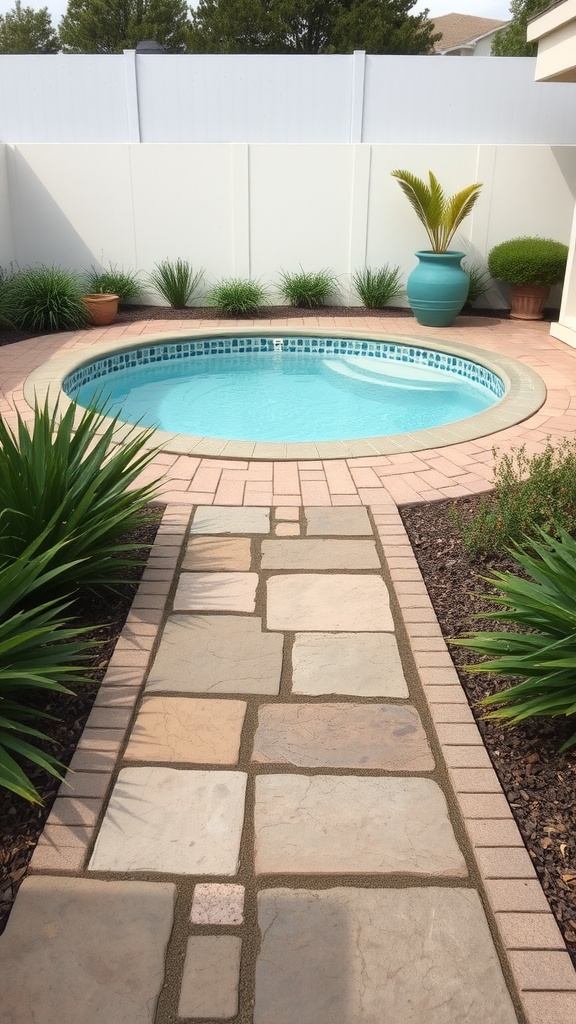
(540, 783)
(20, 822)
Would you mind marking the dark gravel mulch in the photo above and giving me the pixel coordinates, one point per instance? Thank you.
(20, 822)
(540, 783)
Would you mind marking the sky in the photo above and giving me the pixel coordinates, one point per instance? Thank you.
(482, 8)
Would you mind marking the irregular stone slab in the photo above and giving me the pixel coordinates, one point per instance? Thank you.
(211, 977)
(77, 949)
(216, 592)
(217, 903)
(319, 554)
(382, 736)
(187, 729)
(172, 821)
(216, 654)
(380, 956)
(312, 602)
(348, 521)
(362, 665)
(342, 824)
(217, 554)
(231, 519)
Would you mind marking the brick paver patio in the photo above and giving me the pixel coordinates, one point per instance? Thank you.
(282, 811)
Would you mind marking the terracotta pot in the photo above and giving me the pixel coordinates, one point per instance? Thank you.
(528, 302)
(101, 308)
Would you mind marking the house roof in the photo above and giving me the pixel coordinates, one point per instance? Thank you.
(460, 29)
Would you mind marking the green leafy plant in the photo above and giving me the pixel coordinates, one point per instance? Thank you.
(67, 478)
(543, 654)
(39, 651)
(441, 215)
(176, 281)
(538, 262)
(237, 297)
(377, 287)
(307, 288)
(530, 493)
(43, 299)
(479, 282)
(123, 283)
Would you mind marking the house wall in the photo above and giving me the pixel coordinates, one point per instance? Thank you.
(7, 252)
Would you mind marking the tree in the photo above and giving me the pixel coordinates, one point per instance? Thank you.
(24, 30)
(309, 26)
(511, 41)
(110, 26)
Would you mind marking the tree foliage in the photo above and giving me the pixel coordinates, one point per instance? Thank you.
(309, 26)
(111, 26)
(511, 41)
(24, 30)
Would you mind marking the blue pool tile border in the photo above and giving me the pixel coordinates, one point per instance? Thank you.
(226, 346)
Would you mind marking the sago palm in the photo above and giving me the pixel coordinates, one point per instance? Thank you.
(440, 215)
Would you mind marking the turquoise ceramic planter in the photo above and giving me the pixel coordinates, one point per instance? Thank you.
(437, 288)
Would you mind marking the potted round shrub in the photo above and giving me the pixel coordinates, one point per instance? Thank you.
(531, 266)
(438, 287)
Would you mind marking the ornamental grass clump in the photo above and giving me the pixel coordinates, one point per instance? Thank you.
(308, 289)
(176, 281)
(532, 261)
(43, 299)
(543, 653)
(530, 493)
(479, 282)
(377, 287)
(123, 283)
(237, 297)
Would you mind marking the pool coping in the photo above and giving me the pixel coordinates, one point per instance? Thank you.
(525, 394)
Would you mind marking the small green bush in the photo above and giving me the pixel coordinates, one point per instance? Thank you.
(123, 283)
(377, 287)
(530, 493)
(479, 282)
(176, 281)
(543, 654)
(237, 297)
(67, 479)
(539, 262)
(43, 299)
(307, 289)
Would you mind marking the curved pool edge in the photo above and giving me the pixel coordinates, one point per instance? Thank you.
(525, 394)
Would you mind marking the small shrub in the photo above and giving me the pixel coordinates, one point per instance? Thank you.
(43, 299)
(377, 287)
(308, 289)
(529, 261)
(543, 655)
(123, 283)
(237, 297)
(479, 282)
(530, 493)
(65, 478)
(176, 281)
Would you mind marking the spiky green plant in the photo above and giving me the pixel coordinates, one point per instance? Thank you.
(113, 281)
(43, 299)
(176, 281)
(237, 297)
(479, 282)
(441, 215)
(377, 287)
(543, 654)
(307, 288)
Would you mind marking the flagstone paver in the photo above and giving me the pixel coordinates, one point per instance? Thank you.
(217, 654)
(377, 956)
(172, 821)
(217, 903)
(376, 736)
(319, 554)
(230, 519)
(331, 602)
(211, 977)
(354, 664)
(333, 522)
(343, 824)
(78, 949)
(177, 729)
(216, 592)
(217, 554)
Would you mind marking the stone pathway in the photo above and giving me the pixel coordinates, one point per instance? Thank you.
(294, 820)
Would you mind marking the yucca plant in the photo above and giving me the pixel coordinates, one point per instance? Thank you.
(543, 655)
(43, 299)
(39, 651)
(307, 288)
(441, 215)
(113, 281)
(377, 287)
(66, 476)
(176, 281)
(237, 297)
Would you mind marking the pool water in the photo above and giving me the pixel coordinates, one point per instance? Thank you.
(282, 396)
